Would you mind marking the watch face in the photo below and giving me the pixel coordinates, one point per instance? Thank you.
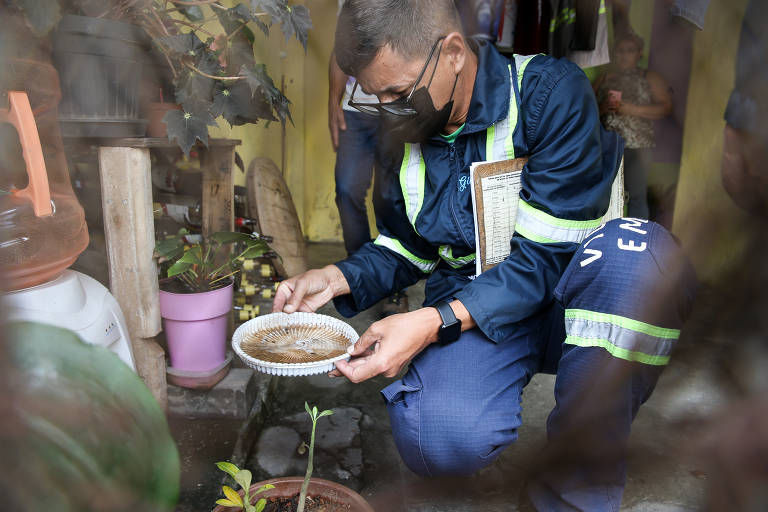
(449, 333)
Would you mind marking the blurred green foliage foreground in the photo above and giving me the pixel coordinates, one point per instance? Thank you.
(79, 431)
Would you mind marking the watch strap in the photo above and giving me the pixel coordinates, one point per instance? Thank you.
(446, 313)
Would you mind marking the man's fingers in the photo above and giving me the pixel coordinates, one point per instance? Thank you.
(295, 299)
(334, 136)
(365, 342)
(282, 294)
(358, 370)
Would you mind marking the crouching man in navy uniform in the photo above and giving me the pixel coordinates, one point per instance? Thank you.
(599, 304)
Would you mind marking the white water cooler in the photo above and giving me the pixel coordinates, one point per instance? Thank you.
(76, 302)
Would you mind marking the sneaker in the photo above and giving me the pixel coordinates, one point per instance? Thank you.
(394, 304)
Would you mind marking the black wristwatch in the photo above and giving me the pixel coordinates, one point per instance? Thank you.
(451, 328)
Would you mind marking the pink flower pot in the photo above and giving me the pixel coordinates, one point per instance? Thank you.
(196, 328)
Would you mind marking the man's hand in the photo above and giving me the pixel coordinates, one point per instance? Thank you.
(387, 346)
(310, 290)
(336, 123)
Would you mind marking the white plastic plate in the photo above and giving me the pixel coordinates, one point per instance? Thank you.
(293, 344)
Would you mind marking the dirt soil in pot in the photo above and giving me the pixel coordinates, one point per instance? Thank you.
(313, 504)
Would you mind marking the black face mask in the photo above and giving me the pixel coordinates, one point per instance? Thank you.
(427, 122)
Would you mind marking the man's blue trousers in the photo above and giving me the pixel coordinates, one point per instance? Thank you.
(607, 335)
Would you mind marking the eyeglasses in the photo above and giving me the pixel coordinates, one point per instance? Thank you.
(399, 107)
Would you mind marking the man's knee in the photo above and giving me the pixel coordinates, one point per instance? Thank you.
(443, 442)
(633, 275)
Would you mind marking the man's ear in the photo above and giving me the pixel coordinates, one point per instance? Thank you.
(455, 48)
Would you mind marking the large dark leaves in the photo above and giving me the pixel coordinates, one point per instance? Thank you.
(238, 105)
(299, 23)
(192, 12)
(261, 84)
(189, 125)
(183, 44)
(231, 19)
(292, 20)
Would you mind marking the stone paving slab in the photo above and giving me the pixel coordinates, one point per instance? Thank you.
(231, 397)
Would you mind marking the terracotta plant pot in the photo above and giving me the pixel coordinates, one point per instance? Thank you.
(155, 111)
(289, 486)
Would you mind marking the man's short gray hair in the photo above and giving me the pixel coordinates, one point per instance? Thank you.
(410, 27)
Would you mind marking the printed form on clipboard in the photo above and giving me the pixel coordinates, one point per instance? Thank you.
(495, 195)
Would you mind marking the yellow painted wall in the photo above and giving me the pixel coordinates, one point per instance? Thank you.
(705, 218)
(309, 158)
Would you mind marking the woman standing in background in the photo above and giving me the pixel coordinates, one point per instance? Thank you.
(630, 99)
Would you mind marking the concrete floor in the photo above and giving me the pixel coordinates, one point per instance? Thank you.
(355, 446)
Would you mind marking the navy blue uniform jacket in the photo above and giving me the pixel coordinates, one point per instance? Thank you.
(572, 164)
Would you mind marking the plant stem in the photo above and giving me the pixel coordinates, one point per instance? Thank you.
(224, 277)
(216, 271)
(238, 29)
(193, 2)
(196, 27)
(308, 475)
(203, 73)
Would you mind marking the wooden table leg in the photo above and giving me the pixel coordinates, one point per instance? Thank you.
(216, 164)
(126, 189)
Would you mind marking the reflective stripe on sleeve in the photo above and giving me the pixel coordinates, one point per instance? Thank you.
(446, 252)
(539, 226)
(394, 245)
(499, 144)
(412, 175)
(622, 337)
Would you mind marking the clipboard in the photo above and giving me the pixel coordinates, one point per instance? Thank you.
(495, 196)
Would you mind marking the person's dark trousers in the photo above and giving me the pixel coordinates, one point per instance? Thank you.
(636, 162)
(354, 170)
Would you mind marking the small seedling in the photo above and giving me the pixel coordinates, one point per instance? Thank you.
(304, 486)
(243, 478)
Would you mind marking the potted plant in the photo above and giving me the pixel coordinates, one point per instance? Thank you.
(309, 494)
(213, 70)
(196, 298)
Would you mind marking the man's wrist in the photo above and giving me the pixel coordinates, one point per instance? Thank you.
(338, 283)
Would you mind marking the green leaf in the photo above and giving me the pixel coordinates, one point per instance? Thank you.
(264, 488)
(178, 268)
(314, 412)
(243, 477)
(232, 495)
(260, 505)
(226, 503)
(255, 252)
(170, 248)
(309, 411)
(326, 412)
(228, 468)
(193, 255)
(188, 126)
(41, 15)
